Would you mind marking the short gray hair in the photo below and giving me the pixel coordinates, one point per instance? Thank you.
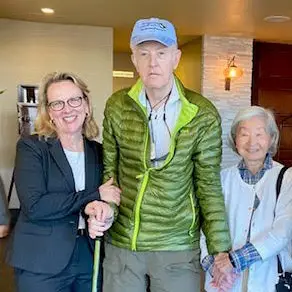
(256, 111)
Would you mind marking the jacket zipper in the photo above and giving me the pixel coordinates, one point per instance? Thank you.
(140, 196)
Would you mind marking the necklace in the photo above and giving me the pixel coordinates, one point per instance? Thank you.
(166, 97)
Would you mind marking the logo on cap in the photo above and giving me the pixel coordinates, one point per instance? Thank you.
(153, 29)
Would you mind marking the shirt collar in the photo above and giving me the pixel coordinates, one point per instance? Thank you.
(268, 163)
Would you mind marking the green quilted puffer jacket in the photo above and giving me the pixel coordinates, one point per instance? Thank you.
(164, 208)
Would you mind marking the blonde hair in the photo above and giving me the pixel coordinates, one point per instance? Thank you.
(43, 125)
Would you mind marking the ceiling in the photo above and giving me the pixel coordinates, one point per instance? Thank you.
(191, 17)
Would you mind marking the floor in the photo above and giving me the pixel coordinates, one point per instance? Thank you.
(6, 273)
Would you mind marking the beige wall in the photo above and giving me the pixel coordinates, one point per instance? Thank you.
(29, 50)
(190, 66)
(122, 62)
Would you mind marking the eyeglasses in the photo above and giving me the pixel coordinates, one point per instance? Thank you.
(58, 105)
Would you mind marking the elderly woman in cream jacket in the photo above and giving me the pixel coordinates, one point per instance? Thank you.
(260, 226)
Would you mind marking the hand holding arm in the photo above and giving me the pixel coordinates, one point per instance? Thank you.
(242, 258)
(109, 192)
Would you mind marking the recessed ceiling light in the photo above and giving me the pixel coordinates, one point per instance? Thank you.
(277, 18)
(47, 10)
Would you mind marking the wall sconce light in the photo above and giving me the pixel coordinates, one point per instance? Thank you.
(231, 72)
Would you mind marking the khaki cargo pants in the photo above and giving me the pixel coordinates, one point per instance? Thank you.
(169, 271)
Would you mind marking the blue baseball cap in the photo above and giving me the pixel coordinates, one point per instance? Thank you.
(153, 29)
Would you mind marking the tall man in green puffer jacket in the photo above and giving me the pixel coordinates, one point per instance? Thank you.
(162, 146)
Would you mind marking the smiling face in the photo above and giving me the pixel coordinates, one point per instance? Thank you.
(155, 63)
(68, 120)
(252, 140)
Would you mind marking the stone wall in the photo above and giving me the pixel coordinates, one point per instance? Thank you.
(216, 51)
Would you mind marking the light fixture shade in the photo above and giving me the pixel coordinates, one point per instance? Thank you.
(233, 72)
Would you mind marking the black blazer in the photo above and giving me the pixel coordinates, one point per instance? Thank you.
(45, 233)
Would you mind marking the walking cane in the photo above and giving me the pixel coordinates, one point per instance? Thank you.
(96, 265)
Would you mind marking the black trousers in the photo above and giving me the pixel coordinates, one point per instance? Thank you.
(76, 277)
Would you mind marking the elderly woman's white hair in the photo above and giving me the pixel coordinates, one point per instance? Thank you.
(260, 112)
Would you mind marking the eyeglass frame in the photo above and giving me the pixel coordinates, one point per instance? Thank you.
(80, 98)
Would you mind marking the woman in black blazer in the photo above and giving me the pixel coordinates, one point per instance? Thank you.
(58, 172)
